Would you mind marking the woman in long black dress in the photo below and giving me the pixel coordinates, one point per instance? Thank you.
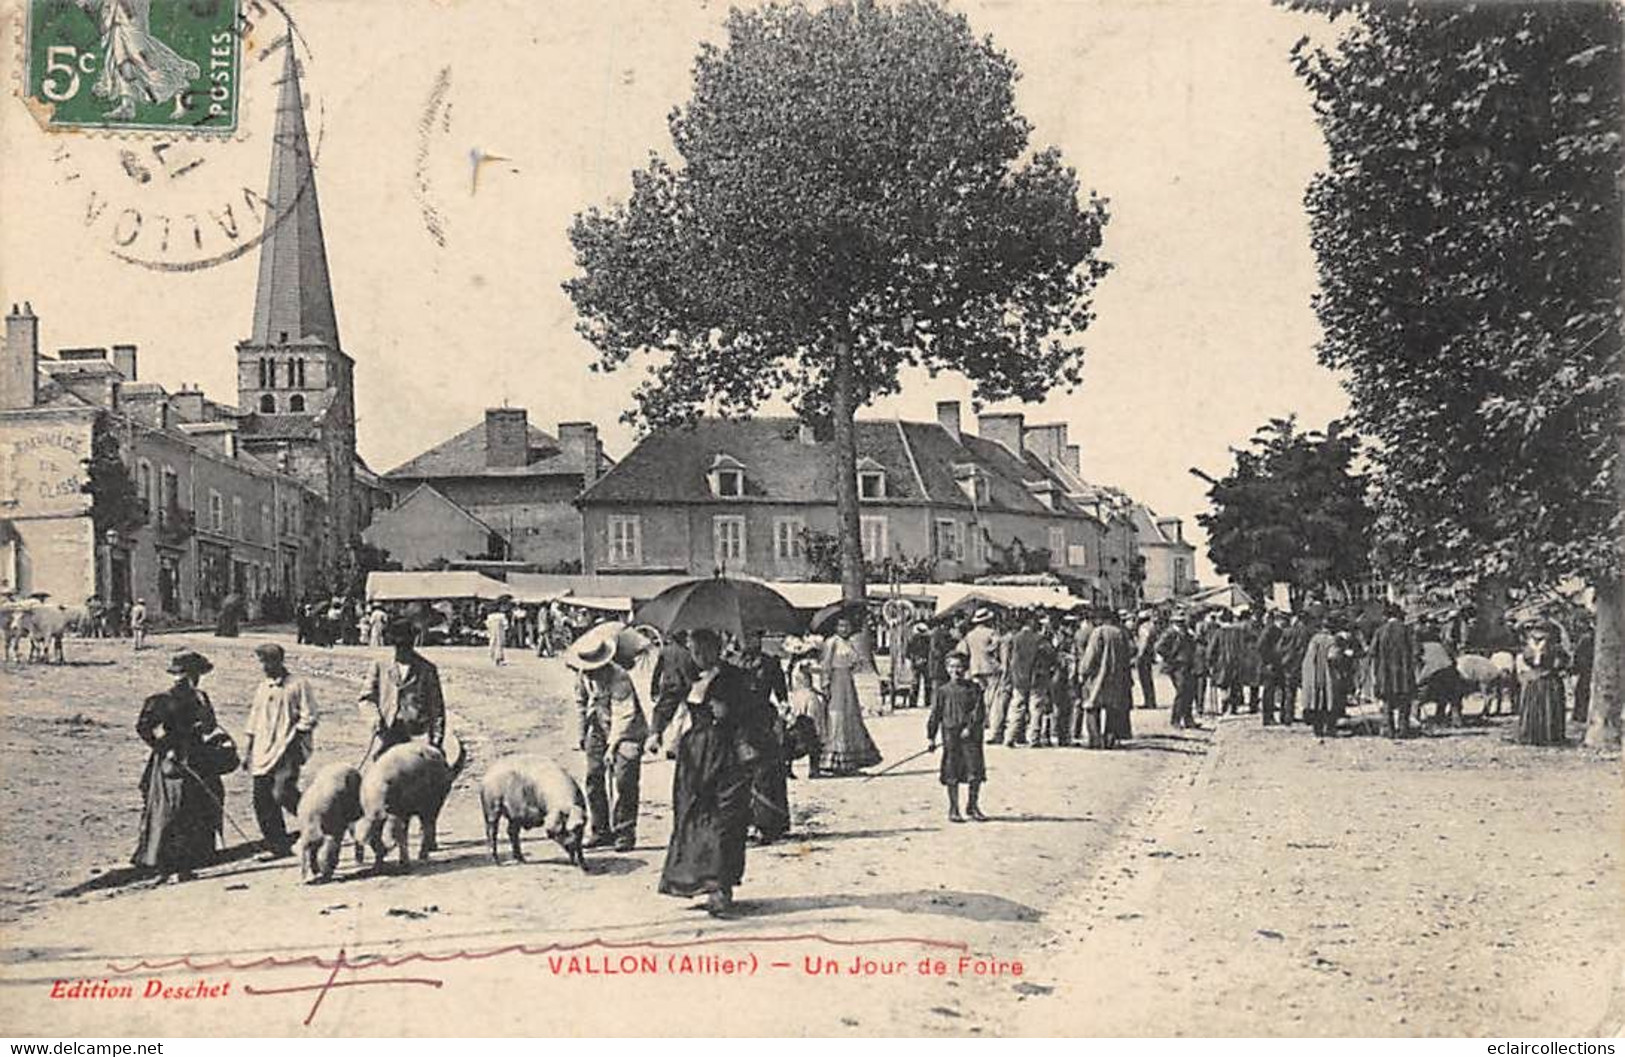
(183, 804)
(1541, 700)
(711, 787)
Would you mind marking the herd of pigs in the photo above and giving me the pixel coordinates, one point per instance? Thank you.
(412, 781)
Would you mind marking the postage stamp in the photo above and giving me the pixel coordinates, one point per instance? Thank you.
(137, 65)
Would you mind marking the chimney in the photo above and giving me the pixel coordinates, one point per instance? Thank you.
(1048, 442)
(507, 436)
(19, 374)
(948, 416)
(1173, 528)
(581, 440)
(187, 405)
(1074, 459)
(124, 360)
(1002, 428)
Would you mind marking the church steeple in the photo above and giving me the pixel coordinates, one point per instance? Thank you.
(294, 299)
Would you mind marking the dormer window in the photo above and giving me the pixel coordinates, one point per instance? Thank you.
(871, 480)
(727, 477)
(972, 481)
(1043, 491)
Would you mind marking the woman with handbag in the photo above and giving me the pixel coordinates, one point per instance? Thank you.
(711, 809)
(184, 800)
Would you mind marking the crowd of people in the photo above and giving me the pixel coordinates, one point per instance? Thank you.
(736, 717)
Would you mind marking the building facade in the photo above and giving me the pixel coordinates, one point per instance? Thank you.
(500, 490)
(757, 497)
(1170, 562)
(206, 519)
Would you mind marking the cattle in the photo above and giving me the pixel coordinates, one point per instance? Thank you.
(531, 791)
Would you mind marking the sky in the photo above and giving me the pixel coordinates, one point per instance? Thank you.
(1185, 114)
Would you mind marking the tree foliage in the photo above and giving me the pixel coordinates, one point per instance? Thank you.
(1291, 510)
(856, 170)
(115, 504)
(1467, 227)
(853, 192)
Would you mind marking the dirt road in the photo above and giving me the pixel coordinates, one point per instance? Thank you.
(1130, 887)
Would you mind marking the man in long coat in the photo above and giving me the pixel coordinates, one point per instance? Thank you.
(1227, 657)
(1107, 676)
(1177, 648)
(1294, 643)
(1394, 656)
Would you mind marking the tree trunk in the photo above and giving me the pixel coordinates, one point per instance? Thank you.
(843, 410)
(1603, 726)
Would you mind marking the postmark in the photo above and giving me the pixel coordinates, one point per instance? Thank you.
(174, 200)
(134, 65)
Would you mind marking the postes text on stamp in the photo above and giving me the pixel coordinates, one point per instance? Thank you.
(149, 65)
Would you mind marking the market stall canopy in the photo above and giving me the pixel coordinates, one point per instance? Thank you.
(734, 606)
(609, 605)
(433, 586)
(957, 597)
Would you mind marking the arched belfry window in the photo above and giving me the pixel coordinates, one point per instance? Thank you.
(296, 403)
(268, 404)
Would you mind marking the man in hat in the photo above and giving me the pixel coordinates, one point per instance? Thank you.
(611, 732)
(1267, 644)
(183, 805)
(496, 634)
(981, 649)
(1177, 648)
(1025, 675)
(403, 698)
(138, 623)
(277, 744)
(1146, 634)
(1294, 644)
(1394, 657)
(918, 652)
(1227, 660)
(1106, 672)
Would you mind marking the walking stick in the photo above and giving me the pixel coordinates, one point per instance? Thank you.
(218, 801)
(899, 763)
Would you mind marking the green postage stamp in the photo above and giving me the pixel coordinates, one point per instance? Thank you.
(148, 65)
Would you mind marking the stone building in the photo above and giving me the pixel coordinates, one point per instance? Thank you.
(502, 490)
(747, 496)
(1170, 562)
(208, 518)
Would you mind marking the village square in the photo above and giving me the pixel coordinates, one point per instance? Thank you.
(784, 648)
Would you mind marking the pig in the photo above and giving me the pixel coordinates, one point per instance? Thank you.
(405, 782)
(328, 809)
(533, 791)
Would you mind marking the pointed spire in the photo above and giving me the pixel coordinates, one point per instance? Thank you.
(294, 296)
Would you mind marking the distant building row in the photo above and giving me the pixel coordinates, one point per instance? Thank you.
(756, 497)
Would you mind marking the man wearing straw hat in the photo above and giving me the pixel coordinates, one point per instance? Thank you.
(403, 699)
(981, 648)
(612, 733)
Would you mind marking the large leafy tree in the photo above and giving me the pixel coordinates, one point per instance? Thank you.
(1291, 510)
(1468, 229)
(853, 192)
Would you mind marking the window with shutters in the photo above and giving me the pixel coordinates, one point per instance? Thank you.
(788, 536)
(873, 530)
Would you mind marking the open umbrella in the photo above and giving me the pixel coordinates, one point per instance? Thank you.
(735, 606)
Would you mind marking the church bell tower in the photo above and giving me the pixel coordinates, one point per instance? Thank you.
(293, 378)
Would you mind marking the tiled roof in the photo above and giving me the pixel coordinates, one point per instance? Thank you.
(464, 456)
(670, 466)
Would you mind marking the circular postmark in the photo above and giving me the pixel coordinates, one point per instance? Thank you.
(189, 193)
